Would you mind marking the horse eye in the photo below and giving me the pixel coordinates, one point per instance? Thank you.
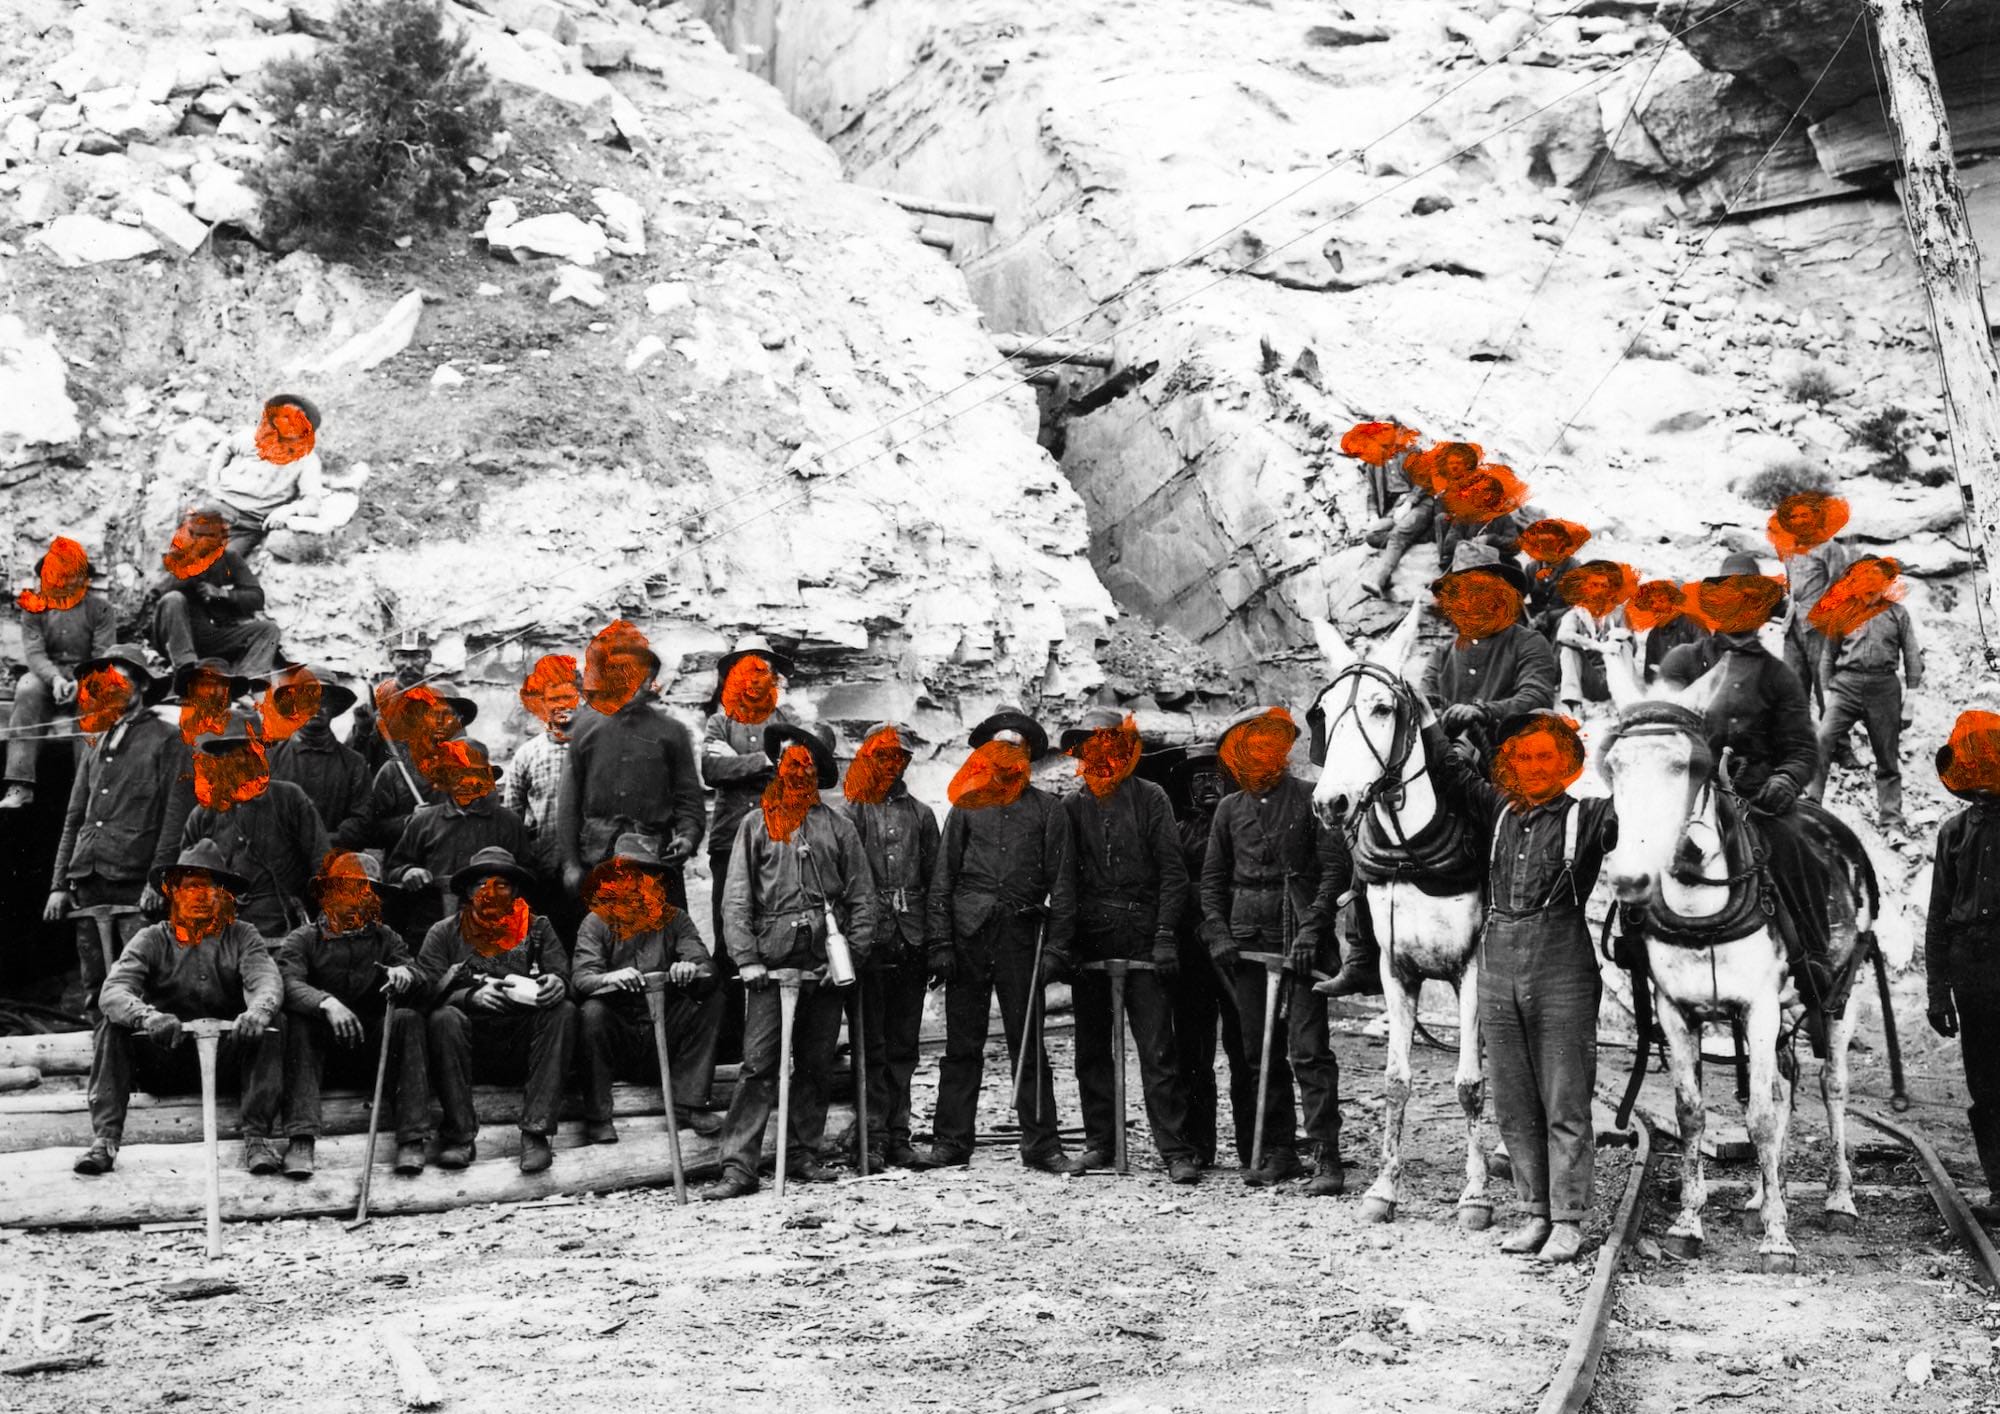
(1680, 768)
(1381, 709)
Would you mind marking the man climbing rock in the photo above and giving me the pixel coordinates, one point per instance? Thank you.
(208, 602)
(63, 623)
(265, 830)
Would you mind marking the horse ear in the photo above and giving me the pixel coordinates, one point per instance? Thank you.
(1698, 694)
(1621, 676)
(1394, 652)
(1337, 651)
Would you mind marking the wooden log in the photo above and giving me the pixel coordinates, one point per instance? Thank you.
(163, 1183)
(936, 239)
(19, 1077)
(1031, 349)
(930, 206)
(56, 1053)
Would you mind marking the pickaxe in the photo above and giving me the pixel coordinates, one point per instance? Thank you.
(857, 1036)
(1116, 969)
(789, 980)
(1032, 1020)
(656, 1003)
(1273, 964)
(375, 1114)
(207, 1033)
(106, 916)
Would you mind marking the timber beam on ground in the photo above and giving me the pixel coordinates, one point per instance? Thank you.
(1030, 348)
(931, 206)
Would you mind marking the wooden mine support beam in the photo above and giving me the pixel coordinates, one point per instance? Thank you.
(1033, 350)
(955, 210)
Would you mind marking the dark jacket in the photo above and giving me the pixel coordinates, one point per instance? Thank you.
(734, 766)
(126, 807)
(442, 838)
(1002, 860)
(445, 947)
(771, 890)
(246, 595)
(599, 950)
(1131, 883)
(1962, 925)
(385, 811)
(900, 838)
(1260, 846)
(275, 841)
(317, 964)
(334, 778)
(632, 768)
(54, 641)
(221, 977)
(1513, 671)
(1759, 712)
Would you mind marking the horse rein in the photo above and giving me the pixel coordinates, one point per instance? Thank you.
(1382, 795)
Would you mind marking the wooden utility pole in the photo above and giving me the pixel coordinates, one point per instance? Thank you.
(1948, 264)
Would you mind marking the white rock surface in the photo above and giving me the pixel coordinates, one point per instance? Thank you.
(379, 344)
(170, 220)
(37, 415)
(573, 282)
(76, 240)
(557, 233)
(624, 220)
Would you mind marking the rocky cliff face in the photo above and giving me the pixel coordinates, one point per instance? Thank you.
(698, 413)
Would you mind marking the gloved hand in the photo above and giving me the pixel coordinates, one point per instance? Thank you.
(1943, 1016)
(1225, 959)
(756, 976)
(164, 1030)
(1166, 961)
(941, 965)
(1055, 967)
(1303, 951)
(1777, 796)
(1462, 717)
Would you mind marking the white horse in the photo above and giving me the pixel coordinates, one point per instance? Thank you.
(1374, 764)
(1673, 858)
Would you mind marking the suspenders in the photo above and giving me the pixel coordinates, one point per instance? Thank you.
(1571, 812)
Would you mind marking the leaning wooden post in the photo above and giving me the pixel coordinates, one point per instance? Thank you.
(1947, 260)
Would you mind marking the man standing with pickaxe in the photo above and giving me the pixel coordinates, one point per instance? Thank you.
(1131, 885)
(1002, 920)
(1267, 887)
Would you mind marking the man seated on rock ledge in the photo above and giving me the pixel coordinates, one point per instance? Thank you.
(270, 478)
(207, 603)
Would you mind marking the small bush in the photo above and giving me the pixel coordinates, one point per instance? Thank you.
(1786, 478)
(1810, 385)
(1898, 469)
(374, 130)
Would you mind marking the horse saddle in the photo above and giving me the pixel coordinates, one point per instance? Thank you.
(1441, 859)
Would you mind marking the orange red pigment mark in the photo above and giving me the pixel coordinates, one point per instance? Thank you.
(65, 578)
(347, 896)
(876, 767)
(223, 780)
(197, 543)
(1441, 464)
(792, 792)
(1255, 754)
(102, 695)
(630, 900)
(750, 692)
(1804, 521)
(1491, 491)
(1598, 587)
(420, 721)
(284, 434)
(1107, 756)
(1378, 443)
(1738, 603)
(458, 769)
(1970, 760)
(1870, 585)
(616, 665)
(494, 919)
(198, 907)
(994, 774)
(1548, 542)
(289, 703)
(1655, 603)
(1476, 603)
(1538, 762)
(550, 692)
(204, 704)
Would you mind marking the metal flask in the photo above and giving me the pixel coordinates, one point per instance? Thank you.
(839, 957)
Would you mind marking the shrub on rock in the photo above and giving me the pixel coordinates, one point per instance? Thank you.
(373, 132)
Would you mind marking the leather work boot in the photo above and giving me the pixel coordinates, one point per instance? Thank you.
(1564, 1244)
(600, 1131)
(1527, 1238)
(1329, 1173)
(1279, 1165)
(897, 1153)
(409, 1159)
(97, 1159)
(1054, 1161)
(299, 1157)
(706, 1123)
(260, 1156)
(938, 1157)
(1183, 1171)
(1094, 1158)
(806, 1169)
(535, 1152)
(457, 1156)
(730, 1185)
(1360, 975)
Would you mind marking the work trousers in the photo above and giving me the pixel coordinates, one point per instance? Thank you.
(312, 1054)
(1301, 1051)
(184, 630)
(505, 1047)
(1198, 1001)
(999, 959)
(91, 891)
(1875, 700)
(617, 1044)
(122, 1056)
(1149, 1012)
(892, 1001)
(815, 1036)
(35, 708)
(1538, 992)
(730, 998)
(1976, 992)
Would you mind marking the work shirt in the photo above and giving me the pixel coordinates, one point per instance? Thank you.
(1512, 671)
(1887, 641)
(222, 977)
(1525, 849)
(230, 571)
(1001, 860)
(442, 839)
(1258, 847)
(633, 768)
(333, 776)
(900, 838)
(540, 951)
(1962, 925)
(530, 789)
(1810, 574)
(599, 950)
(386, 810)
(735, 767)
(1758, 710)
(1131, 883)
(243, 481)
(54, 641)
(317, 964)
(275, 840)
(127, 804)
(771, 890)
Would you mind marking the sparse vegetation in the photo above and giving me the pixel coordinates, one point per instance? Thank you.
(373, 132)
(1811, 386)
(1786, 478)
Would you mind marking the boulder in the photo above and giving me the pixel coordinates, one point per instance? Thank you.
(246, 56)
(604, 48)
(381, 343)
(558, 233)
(171, 221)
(538, 16)
(77, 240)
(644, 352)
(314, 17)
(1339, 34)
(573, 282)
(267, 15)
(624, 220)
(37, 416)
(668, 296)
(222, 197)
(513, 67)
(139, 122)
(19, 135)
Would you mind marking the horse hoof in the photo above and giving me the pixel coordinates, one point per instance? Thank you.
(1475, 1217)
(1377, 1210)
(1778, 1263)
(1682, 1246)
(1841, 1222)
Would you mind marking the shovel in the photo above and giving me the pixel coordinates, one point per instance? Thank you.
(1274, 973)
(789, 980)
(656, 1003)
(106, 916)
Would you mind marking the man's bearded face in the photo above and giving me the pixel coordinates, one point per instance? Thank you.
(793, 791)
(409, 665)
(198, 907)
(1256, 754)
(631, 900)
(750, 692)
(102, 695)
(289, 705)
(495, 918)
(1107, 756)
(613, 677)
(1478, 604)
(876, 768)
(197, 543)
(284, 434)
(350, 904)
(995, 773)
(224, 780)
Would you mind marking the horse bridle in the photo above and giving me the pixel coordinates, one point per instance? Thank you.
(1716, 769)
(1390, 784)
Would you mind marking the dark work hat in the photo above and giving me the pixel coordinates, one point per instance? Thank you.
(1013, 719)
(818, 741)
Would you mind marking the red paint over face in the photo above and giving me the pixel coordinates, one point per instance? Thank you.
(415, 718)
(792, 792)
(1538, 763)
(876, 768)
(1549, 542)
(205, 704)
(616, 666)
(1974, 763)
(65, 578)
(198, 542)
(1256, 753)
(224, 780)
(994, 774)
(630, 900)
(550, 693)
(1107, 756)
(284, 434)
(1490, 492)
(1656, 602)
(289, 703)
(750, 692)
(198, 907)
(102, 695)
(1442, 464)
(347, 898)
(1378, 443)
(1739, 603)
(1869, 586)
(494, 919)
(1598, 587)
(1804, 521)
(459, 770)
(1477, 604)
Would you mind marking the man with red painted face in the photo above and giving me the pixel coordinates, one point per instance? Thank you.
(1130, 886)
(631, 930)
(200, 962)
(1005, 873)
(496, 971)
(1538, 980)
(409, 664)
(792, 859)
(333, 775)
(1269, 883)
(1497, 666)
(533, 781)
(1857, 677)
(266, 830)
(422, 717)
(126, 807)
(441, 839)
(347, 974)
(62, 623)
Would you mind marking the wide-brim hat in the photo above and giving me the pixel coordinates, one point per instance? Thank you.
(486, 864)
(1254, 714)
(1199, 757)
(203, 856)
(751, 645)
(237, 733)
(295, 400)
(130, 658)
(1097, 719)
(367, 868)
(1013, 719)
(819, 741)
(1740, 562)
(473, 743)
(333, 696)
(448, 693)
(240, 685)
(640, 852)
(1477, 556)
